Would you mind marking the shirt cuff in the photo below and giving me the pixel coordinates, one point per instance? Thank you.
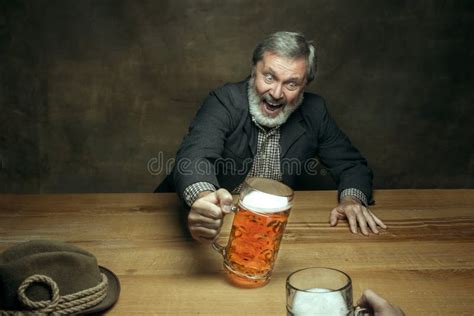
(354, 193)
(192, 191)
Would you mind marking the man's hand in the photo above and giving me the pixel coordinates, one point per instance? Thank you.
(378, 305)
(205, 216)
(357, 214)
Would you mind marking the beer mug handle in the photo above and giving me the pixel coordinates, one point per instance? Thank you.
(215, 244)
(360, 311)
(218, 247)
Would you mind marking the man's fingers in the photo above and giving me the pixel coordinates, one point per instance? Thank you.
(225, 200)
(198, 220)
(378, 304)
(362, 302)
(203, 234)
(205, 216)
(373, 299)
(370, 220)
(357, 215)
(351, 217)
(207, 209)
(362, 222)
(202, 228)
(204, 240)
(379, 222)
(333, 218)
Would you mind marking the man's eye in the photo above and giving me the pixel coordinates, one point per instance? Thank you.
(268, 78)
(292, 86)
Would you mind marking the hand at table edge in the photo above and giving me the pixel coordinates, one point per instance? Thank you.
(351, 208)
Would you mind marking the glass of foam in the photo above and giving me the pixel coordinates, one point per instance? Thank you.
(257, 230)
(320, 291)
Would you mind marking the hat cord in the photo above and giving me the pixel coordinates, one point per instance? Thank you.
(60, 305)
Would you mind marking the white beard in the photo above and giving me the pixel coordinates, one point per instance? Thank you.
(261, 118)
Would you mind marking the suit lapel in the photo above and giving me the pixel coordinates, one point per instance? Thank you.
(290, 132)
(251, 130)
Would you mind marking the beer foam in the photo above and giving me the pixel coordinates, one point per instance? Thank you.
(264, 203)
(318, 301)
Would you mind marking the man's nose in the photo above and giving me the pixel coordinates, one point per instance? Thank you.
(276, 91)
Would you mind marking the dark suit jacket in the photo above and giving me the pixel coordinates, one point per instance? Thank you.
(222, 140)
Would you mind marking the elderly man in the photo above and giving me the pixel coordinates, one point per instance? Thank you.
(252, 127)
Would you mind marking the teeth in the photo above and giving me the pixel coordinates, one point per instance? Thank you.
(273, 104)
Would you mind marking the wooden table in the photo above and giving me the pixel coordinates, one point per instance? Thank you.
(424, 262)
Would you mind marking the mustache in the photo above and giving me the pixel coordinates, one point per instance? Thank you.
(268, 98)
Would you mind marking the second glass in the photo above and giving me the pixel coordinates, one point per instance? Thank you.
(320, 291)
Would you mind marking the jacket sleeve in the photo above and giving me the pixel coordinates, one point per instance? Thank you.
(348, 167)
(204, 143)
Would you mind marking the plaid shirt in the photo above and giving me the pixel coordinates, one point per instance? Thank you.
(266, 164)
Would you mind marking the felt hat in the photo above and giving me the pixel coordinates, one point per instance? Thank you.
(52, 277)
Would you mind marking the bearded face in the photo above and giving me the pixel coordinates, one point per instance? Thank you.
(276, 89)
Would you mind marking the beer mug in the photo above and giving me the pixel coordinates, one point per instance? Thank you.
(257, 229)
(320, 291)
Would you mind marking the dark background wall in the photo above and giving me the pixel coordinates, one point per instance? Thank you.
(93, 94)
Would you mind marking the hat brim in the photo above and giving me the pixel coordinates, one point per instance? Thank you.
(113, 293)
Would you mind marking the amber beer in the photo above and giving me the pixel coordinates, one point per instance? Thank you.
(253, 245)
(257, 230)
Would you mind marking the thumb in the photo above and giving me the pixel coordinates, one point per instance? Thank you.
(333, 218)
(371, 299)
(225, 200)
(363, 300)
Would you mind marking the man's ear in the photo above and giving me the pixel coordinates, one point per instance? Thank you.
(253, 72)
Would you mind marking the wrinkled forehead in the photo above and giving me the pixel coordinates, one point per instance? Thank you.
(283, 66)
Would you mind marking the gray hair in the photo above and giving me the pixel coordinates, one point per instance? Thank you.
(290, 45)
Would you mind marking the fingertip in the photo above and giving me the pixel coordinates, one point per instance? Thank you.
(373, 229)
(226, 209)
(371, 295)
(380, 223)
(225, 200)
(353, 227)
(224, 195)
(333, 217)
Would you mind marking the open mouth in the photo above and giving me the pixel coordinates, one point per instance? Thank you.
(272, 107)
